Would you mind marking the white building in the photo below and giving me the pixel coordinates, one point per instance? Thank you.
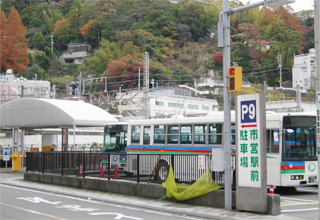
(164, 103)
(304, 71)
(12, 87)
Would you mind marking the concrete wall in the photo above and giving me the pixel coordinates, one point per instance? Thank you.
(155, 191)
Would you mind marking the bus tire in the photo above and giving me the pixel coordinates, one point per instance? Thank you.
(162, 171)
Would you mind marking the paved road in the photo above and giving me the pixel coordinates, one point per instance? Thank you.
(166, 209)
(20, 203)
(302, 203)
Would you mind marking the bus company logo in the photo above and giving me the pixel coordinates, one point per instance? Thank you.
(312, 167)
(115, 158)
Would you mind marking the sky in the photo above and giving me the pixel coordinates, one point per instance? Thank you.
(299, 5)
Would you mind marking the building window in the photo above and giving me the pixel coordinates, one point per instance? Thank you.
(175, 105)
(190, 106)
(159, 103)
(312, 63)
(205, 108)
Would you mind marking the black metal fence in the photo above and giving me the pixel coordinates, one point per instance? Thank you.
(135, 167)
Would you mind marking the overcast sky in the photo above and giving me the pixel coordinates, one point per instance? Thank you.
(299, 5)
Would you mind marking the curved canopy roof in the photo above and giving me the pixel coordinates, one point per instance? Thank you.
(49, 113)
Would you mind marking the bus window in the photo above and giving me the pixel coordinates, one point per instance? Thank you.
(215, 133)
(115, 138)
(200, 132)
(273, 141)
(159, 134)
(146, 134)
(185, 134)
(299, 144)
(173, 131)
(135, 134)
(233, 134)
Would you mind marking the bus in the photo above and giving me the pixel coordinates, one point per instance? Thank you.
(291, 144)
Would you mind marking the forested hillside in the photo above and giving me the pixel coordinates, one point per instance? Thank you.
(177, 37)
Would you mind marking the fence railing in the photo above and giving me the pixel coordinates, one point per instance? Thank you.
(134, 167)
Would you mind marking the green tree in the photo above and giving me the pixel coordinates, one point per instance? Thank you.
(161, 15)
(51, 17)
(38, 41)
(30, 72)
(193, 14)
(64, 31)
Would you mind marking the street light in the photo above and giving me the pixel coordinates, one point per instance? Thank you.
(224, 42)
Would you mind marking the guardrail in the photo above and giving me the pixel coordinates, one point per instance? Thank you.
(132, 167)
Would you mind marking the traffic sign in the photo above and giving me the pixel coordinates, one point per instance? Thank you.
(6, 154)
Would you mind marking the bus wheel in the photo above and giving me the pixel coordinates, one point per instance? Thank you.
(162, 171)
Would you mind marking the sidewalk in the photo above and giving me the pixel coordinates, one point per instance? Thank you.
(163, 205)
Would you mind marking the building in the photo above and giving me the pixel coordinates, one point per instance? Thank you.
(164, 103)
(75, 53)
(304, 71)
(12, 87)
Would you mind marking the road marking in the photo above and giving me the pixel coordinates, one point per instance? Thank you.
(294, 199)
(118, 215)
(300, 210)
(305, 203)
(96, 202)
(32, 211)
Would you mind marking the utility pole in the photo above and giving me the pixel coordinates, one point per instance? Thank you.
(51, 43)
(146, 84)
(317, 47)
(280, 67)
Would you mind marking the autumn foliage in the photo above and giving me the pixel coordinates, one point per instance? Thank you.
(13, 43)
(124, 71)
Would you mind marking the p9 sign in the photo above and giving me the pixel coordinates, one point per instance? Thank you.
(248, 111)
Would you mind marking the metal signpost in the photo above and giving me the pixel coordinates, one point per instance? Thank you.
(317, 47)
(251, 153)
(6, 155)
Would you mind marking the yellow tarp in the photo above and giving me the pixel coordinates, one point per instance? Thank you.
(180, 192)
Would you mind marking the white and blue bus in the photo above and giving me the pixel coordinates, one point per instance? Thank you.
(291, 145)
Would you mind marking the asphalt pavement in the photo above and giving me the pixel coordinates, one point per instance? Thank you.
(163, 205)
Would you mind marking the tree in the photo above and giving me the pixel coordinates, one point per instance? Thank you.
(290, 18)
(64, 31)
(193, 14)
(51, 17)
(217, 57)
(38, 41)
(3, 38)
(14, 47)
(162, 19)
(91, 31)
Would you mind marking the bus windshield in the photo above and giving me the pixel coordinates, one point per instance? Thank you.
(299, 139)
(115, 138)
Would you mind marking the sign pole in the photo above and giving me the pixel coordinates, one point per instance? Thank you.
(317, 47)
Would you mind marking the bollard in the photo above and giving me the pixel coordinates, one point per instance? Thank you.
(101, 172)
(81, 170)
(116, 174)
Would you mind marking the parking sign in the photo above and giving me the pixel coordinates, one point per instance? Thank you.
(251, 153)
(6, 154)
